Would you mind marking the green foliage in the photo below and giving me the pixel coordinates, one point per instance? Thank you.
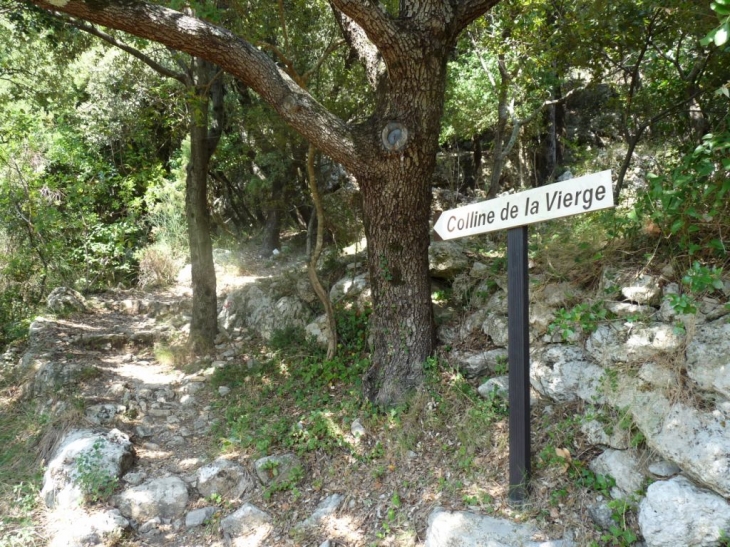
(582, 318)
(689, 202)
(93, 476)
(321, 392)
(699, 280)
(719, 35)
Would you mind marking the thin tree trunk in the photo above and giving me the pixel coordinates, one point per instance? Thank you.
(312, 270)
(204, 322)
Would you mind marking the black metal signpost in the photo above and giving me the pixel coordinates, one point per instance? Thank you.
(515, 212)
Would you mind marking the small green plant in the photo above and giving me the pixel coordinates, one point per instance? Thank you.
(284, 483)
(619, 534)
(96, 481)
(385, 270)
(682, 304)
(583, 318)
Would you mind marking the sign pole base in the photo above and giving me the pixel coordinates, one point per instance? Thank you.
(519, 365)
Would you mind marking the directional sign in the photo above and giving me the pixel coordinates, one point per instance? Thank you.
(562, 199)
(516, 211)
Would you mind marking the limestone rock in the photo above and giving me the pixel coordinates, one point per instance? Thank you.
(495, 326)
(108, 454)
(697, 441)
(64, 299)
(446, 259)
(318, 330)
(224, 478)
(198, 517)
(324, 509)
(563, 373)
(164, 497)
(472, 323)
(664, 468)
(559, 295)
(498, 303)
(606, 344)
(81, 529)
(623, 466)
(643, 290)
(596, 434)
(280, 468)
(708, 357)
(349, 287)
(465, 529)
(247, 527)
(498, 386)
(676, 512)
(477, 364)
(104, 413)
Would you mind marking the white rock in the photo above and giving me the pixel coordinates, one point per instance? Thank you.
(247, 527)
(349, 287)
(277, 468)
(224, 478)
(477, 364)
(606, 344)
(708, 357)
(325, 508)
(318, 330)
(82, 529)
(563, 373)
(446, 259)
(199, 516)
(465, 529)
(664, 468)
(103, 413)
(676, 512)
(357, 429)
(110, 454)
(695, 440)
(658, 375)
(644, 290)
(495, 326)
(63, 299)
(223, 390)
(498, 386)
(623, 466)
(165, 498)
(596, 434)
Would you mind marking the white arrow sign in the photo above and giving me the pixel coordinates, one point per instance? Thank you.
(571, 197)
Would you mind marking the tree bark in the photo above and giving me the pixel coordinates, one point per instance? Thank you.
(204, 321)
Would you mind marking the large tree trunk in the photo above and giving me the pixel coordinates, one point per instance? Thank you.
(204, 322)
(396, 192)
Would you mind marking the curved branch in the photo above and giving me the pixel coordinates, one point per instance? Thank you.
(108, 38)
(468, 10)
(234, 55)
(379, 27)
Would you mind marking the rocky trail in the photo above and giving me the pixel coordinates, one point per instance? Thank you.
(629, 421)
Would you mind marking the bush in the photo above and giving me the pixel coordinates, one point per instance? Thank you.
(688, 204)
(157, 267)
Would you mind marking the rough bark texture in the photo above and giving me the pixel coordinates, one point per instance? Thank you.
(392, 154)
(204, 322)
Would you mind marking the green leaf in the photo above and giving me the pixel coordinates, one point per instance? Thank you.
(721, 34)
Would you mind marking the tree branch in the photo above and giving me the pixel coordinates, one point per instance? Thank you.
(234, 55)
(468, 10)
(361, 44)
(154, 65)
(379, 27)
